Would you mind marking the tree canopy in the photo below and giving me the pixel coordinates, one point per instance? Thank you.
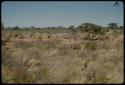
(113, 25)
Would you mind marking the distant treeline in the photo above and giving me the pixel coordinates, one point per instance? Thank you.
(83, 27)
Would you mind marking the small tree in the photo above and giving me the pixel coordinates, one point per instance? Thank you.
(32, 27)
(89, 27)
(113, 25)
(80, 26)
(72, 28)
(16, 28)
(121, 27)
(2, 25)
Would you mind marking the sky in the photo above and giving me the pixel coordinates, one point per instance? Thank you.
(60, 13)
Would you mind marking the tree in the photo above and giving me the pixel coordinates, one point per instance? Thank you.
(89, 27)
(32, 27)
(16, 28)
(80, 26)
(121, 27)
(71, 27)
(2, 25)
(60, 27)
(113, 25)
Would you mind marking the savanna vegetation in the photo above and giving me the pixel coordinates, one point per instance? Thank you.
(85, 54)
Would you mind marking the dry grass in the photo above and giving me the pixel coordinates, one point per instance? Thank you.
(43, 57)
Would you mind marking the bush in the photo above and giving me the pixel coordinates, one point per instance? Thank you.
(89, 27)
(15, 28)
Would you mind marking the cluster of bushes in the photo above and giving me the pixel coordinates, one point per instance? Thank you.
(88, 27)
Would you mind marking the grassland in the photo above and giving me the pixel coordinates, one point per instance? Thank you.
(49, 56)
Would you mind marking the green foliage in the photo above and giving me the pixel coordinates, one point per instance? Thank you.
(113, 25)
(121, 27)
(2, 26)
(71, 27)
(85, 27)
(89, 27)
(16, 28)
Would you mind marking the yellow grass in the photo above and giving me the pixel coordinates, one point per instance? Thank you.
(62, 58)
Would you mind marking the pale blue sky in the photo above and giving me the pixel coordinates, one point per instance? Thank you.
(60, 13)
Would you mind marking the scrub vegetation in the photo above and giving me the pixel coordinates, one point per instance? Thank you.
(85, 54)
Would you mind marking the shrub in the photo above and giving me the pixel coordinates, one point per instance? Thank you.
(16, 28)
(89, 27)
